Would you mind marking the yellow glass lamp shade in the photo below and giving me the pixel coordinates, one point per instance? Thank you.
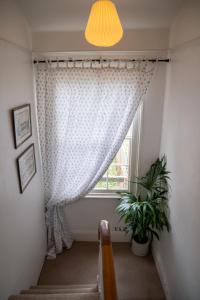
(104, 28)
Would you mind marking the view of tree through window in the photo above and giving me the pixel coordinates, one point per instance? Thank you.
(117, 175)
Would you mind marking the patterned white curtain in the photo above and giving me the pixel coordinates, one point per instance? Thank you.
(84, 113)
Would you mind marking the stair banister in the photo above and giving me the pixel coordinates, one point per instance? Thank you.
(107, 281)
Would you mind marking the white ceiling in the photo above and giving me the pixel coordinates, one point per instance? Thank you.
(71, 15)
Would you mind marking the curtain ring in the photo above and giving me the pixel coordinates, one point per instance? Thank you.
(37, 63)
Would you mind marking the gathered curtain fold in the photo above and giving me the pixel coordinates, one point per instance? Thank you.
(84, 113)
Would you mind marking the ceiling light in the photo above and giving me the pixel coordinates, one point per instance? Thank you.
(104, 28)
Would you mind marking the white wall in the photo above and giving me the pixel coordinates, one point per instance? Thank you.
(22, 230)
(13, 26)
(177, 254)
(137, 39)
(85, 214)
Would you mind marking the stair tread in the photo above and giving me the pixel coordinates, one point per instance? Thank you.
(61, 291)
(73, 286)
(70, 296)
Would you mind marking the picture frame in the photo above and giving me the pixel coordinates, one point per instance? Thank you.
(26, 166)
(22, 127)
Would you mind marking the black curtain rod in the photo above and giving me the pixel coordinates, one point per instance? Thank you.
(100, 60)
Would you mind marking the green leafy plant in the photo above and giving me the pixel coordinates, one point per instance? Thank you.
(145, 212)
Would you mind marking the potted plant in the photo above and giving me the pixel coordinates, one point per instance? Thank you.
(145, 211)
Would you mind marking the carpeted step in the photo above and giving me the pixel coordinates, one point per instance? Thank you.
(73, 296)
(60, 291)
(70, 286)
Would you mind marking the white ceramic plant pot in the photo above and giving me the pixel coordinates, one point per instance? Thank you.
(140, 249)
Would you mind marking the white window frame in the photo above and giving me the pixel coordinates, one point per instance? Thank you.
(134, 159)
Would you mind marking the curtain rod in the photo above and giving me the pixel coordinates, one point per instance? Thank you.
(167, 60)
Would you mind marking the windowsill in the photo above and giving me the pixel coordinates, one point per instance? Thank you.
(103, 196)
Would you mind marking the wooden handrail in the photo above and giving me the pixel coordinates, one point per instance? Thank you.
(107, 263)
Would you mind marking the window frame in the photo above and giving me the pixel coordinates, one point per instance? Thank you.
(134, 160)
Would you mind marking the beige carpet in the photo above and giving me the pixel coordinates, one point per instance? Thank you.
(137, 278)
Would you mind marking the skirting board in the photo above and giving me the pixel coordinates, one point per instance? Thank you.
(92, 236)
(161, 274)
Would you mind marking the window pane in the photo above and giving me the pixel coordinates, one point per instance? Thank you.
(118, 171)
(118, 177)
(102, 183)
(118, 183)
(122, 156)
(129, 134)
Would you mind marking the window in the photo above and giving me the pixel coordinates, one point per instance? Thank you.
(124, 166)
(116, 177)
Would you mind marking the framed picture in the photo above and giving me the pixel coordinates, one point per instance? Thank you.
(21, 124)
(26, 166)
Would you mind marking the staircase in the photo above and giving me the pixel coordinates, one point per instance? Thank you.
(59, 292)
(104, 290)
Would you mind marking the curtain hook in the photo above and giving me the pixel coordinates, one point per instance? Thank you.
(46, 61)
(101, 61)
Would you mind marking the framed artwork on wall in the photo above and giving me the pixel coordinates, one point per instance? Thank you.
(21, 117)
(26, 166)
